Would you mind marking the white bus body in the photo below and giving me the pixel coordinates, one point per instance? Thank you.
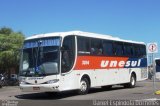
(46, 68)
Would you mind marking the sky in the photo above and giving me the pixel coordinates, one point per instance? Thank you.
(137, 20)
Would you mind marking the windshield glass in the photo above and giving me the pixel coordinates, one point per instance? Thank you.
(40, 57)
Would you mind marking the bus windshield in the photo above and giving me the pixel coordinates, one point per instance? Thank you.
(40, 57)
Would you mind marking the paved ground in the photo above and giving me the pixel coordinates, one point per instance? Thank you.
(143, 91)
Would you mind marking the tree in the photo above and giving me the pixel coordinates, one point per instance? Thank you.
(10, 44)
(5, 31)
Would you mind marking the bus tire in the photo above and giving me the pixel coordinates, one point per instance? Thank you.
(84, 86)
(132, 82)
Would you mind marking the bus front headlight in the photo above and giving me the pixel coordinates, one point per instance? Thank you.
(52, 81)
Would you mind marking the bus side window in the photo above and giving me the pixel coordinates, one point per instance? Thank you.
(143, 51)
(128, 50)
(83, 45)
(68, 53)
(96, 47)
(107, 48)
(118, 48)
(137, 50)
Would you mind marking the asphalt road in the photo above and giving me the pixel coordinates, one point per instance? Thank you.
(143, 91)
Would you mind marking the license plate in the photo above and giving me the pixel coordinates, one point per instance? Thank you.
(36, 88)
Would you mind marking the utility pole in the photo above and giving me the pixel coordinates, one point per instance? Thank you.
(152, 49)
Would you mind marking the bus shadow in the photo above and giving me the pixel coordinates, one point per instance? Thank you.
(62, 95)
(96, 90)
(46, 96)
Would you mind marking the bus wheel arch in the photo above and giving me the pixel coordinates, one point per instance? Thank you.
(132, 83)
(85, 84)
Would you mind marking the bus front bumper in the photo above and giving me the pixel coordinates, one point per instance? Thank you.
(40, 88)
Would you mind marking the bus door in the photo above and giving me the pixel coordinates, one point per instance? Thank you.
(67, 62)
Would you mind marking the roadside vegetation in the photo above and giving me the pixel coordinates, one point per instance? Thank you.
(10, 45)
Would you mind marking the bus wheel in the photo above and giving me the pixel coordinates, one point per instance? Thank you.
(84, 86)
(132, 82)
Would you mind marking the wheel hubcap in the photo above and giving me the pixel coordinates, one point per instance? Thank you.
(83, 86)
(133, 81)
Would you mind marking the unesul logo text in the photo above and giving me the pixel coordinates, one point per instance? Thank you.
(115, 63)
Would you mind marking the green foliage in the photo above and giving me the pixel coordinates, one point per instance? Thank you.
(10, 44)
(5, 31)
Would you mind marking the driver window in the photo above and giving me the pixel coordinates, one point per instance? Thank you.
(68, 53)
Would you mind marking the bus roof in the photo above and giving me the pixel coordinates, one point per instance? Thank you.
(81, 33)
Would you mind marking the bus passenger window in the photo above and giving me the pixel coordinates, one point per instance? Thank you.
(118, 49)
(143, 51)
(137, 50)
(107, 48)
(128, 50)
(96, 47)
(83, 44)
